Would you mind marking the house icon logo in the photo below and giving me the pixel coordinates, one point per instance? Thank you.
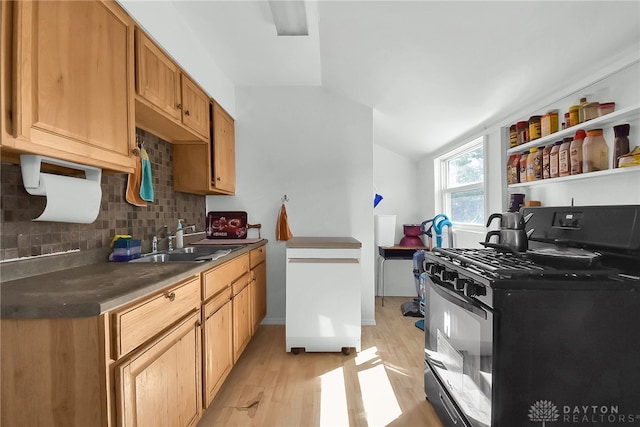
(543, 411)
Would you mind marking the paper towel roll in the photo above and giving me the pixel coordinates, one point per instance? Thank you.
(70, 199)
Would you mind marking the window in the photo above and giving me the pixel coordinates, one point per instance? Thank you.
(462, 184)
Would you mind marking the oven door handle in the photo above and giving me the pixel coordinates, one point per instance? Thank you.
(455, 299)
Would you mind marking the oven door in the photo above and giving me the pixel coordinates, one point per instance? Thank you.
(458, 349)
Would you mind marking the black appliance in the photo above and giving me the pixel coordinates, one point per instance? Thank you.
(546, 337)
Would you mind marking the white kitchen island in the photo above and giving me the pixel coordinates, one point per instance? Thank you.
(323, 294)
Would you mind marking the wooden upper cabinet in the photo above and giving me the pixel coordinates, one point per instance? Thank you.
(158, 77)
(211, 168)
(73, 83)
(169, 104)
(224, 151)
(195, 106)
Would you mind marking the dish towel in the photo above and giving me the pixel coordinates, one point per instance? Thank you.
(146, 185)
(282, 226)
(133, 185)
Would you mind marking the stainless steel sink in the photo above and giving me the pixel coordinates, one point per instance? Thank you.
(190, 254)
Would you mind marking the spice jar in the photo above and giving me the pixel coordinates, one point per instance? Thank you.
(553, 160)
(513, 136)
(523, 166)
(595, 152)
(534, 165)
(590, 110)
(535, 127)
(523, 132)
(549, 123)
(583, 102)
(575, 152)
(564, 161)
(574, 116)
(546, 159)
(621, 143)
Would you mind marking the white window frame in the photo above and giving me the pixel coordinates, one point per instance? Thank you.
(441, 177)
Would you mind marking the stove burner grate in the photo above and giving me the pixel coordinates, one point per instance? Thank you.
(496, 264)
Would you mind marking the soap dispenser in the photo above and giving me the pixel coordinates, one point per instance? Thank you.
(179, 235)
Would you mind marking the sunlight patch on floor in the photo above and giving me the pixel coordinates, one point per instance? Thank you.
(380, 403)
(333, 401)
(367, 355)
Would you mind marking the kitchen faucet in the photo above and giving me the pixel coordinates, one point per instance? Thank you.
(154, 241)
(173, 234)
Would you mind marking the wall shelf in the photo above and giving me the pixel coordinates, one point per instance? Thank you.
(582, 176)
(617, 117)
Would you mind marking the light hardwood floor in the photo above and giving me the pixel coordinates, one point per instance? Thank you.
(380, 386)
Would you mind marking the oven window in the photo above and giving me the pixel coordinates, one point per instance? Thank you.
(458, 345)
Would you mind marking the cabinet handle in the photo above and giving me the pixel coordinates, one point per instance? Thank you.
(171, 296)
(186, 113)
(218, 178)
(179, 106)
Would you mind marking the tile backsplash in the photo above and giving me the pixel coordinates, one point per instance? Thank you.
(22, 237)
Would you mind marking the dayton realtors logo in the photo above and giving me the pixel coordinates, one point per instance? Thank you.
(545, 411)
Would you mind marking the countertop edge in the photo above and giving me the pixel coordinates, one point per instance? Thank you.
(46, 309)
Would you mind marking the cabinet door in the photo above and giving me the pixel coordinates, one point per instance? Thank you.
(158, 77)
(258, 295)
(74, 82)
(218, 344)
(241, 317)
(161, 385)
(223, 175)
(195, 107)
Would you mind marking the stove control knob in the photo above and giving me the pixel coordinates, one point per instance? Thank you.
(471, 289)
(432, 269)
(459, 283)
(448, 276)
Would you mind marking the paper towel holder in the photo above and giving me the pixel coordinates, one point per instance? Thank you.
(69, 198)
(30, 165)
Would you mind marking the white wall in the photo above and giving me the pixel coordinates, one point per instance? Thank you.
(396, 179)
(317, 148)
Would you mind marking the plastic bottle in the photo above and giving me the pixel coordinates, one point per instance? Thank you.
(621, 143)
(546, 162)
(595, 152)
(581, 115)
(179, 235)
(564, 161)
(554, 172)
(523, 166)
(533, 163)
(575, 152)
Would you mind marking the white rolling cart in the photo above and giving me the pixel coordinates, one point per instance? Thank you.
(323, 294)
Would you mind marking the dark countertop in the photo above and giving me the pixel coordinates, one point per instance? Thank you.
(91, 290)
(324, 242)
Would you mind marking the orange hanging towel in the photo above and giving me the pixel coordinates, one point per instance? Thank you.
(282, 226)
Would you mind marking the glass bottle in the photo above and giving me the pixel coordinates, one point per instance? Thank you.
(595, 152)
(621, 143)
(575, 152)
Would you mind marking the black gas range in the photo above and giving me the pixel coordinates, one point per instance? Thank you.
(545, 337)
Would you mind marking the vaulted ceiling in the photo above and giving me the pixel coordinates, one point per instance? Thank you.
(432, 71)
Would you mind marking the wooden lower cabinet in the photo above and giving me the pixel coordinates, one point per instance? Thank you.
(241, 316)
(53, 372)
(217, 346)
(258, 295)
(161, 384)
